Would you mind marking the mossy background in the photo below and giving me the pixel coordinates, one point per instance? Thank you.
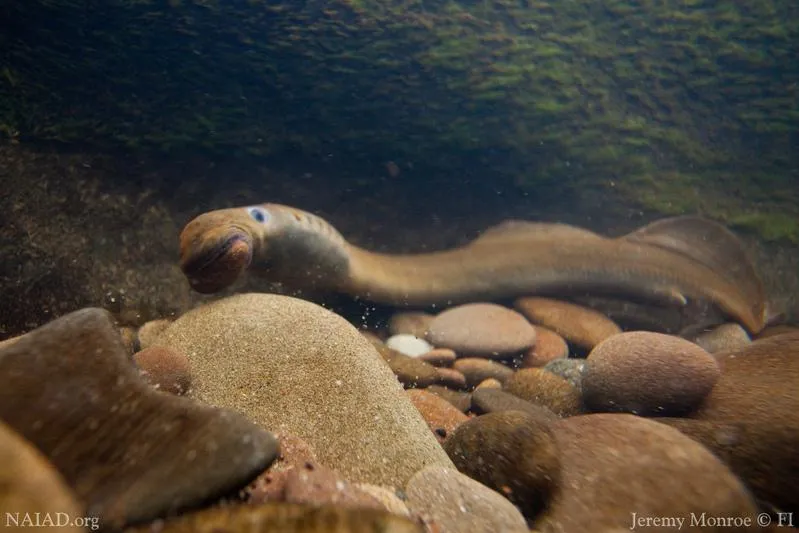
(679, 106)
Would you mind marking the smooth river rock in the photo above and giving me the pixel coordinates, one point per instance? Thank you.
(129, 453)
(294, 367)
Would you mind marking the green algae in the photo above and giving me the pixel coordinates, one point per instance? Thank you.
(687, 106)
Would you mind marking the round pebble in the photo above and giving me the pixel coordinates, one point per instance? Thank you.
(649, 374)
(459, 504)
(546, 389)
(548, 346)
(482, 329)
(449, 377)
(440, 415)
(579, 325)
(569, 369)
(477, 370)
(439, 357)
(408, 344)
(490, 383)
(165, 369)
(512, 452)
(410, 323)
(616, 466)
(722, 338)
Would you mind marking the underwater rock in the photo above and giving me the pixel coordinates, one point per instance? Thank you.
(414, 323)
(722, 338)
(460, 399)
(387, 497)
(130, 453)
(439, 357)
(283, 518)
(616, 466)
(481, 330)
(295, 367)
(579, 325)
(477, 369)
(757, 400)
(545, 389)
(166, 370)
(456, 503)
(410, 371)
(408, 344)
(548, 346)
(452, 378)
(569, 369)
(32, 487)
(440, 415)
(648, 374)
(512, 452)
(488, 400)
(489, 383)
(150, 331)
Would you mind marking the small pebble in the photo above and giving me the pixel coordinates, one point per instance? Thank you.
(477, 369)
(439, 357)
(408, 344)
(410, 323)
(578, 325)
(165, 369)
(482, 330)
(546, 389)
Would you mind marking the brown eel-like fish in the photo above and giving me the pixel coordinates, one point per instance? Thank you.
(670, 262)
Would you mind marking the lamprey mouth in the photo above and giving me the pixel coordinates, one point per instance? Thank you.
(211, 268)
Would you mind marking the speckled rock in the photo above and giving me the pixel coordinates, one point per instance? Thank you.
(306, 371)
(579, 325)
(545, 389)
(439, 357)
(270, 484)
(283, 518)
(408, 344)
(411, 322)
(548, 346)
(647, 373)
(495, 401)
(483, 330)
(751, 417)
(570, 369)
(133, 454)
(512, 452)
(457, 504)
(410, 371)
(165, 369)
(477, 369)
(614, 465)
(441, 416)
(722, 338)
(449, 377)
(460, 399)
(29, 484)
(149, 332)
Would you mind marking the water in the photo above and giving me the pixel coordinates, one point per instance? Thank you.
(410, 127)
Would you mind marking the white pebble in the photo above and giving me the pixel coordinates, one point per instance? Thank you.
(408, 344)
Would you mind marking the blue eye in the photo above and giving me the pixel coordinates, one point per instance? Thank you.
(259, 214)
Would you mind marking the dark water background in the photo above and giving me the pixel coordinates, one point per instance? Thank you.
(124, 119)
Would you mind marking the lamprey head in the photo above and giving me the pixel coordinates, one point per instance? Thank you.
(216, 248)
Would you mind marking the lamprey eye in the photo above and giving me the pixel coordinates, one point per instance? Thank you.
(260, 214)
